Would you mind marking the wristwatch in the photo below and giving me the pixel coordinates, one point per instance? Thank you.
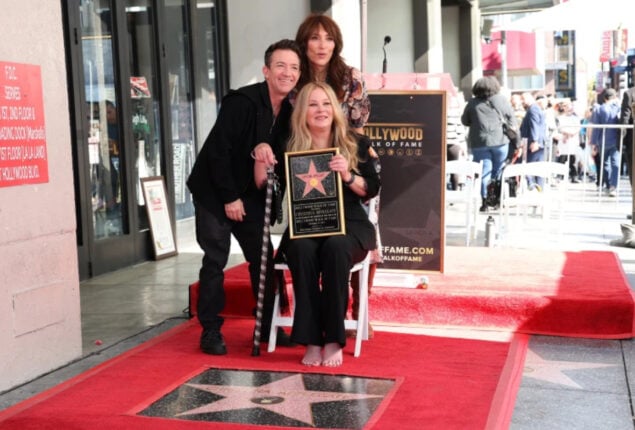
(350, 181)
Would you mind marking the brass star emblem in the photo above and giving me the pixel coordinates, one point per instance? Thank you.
(313, 179)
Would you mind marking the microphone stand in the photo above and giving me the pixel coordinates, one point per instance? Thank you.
(385, 64)
(384, 67)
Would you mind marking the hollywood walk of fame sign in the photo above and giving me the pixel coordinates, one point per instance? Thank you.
(315, 194)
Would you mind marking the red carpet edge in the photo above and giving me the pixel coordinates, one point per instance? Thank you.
(427, 377)
(505, 397)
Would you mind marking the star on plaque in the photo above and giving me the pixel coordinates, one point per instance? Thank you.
(313, 179)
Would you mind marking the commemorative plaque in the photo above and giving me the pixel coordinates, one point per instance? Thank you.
(315, 194)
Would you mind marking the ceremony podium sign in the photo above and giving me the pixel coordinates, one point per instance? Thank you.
(407, 130)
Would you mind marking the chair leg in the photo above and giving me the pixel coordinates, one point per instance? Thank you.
(470, 224)
(273, 331)
(360, 324)
(362, 318)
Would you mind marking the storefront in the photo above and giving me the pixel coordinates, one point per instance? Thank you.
(144, 79)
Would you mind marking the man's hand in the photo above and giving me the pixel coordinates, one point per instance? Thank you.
(533, 147)
(264, 154)
(235, 210)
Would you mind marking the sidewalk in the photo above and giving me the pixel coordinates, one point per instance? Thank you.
(573, 383)
(567, 383)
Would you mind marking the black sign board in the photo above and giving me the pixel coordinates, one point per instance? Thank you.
(407, 130)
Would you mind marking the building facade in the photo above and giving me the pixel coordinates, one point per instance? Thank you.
(111, 92)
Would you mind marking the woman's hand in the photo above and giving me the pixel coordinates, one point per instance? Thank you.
(340, 164)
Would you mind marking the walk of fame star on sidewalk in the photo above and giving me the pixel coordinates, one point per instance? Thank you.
(286, 397)
(552, 371)
(274, 398)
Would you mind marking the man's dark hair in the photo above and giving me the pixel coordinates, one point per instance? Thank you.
(284, 44)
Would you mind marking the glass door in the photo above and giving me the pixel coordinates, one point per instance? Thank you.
(103, 140)
(117, 142)
(177, 62)
(145, 98)
(100, 145)
(137, 93)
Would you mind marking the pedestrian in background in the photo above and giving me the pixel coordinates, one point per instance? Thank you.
(483, 114)
(626, 118)
(607, 140)
(533, 130)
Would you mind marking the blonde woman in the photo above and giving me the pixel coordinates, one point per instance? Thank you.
(318, 122)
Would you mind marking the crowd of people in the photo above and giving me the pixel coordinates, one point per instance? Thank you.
(550, 129)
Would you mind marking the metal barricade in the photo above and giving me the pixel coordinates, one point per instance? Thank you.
(587, 151)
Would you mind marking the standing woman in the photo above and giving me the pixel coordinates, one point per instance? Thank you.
(482, 114)
(320, 41)
(320, 266)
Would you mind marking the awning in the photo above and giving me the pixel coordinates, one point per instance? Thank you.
(581, 15)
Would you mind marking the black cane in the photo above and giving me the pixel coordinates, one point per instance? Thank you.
(263, 263)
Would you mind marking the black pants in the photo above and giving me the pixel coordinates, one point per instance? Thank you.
(213, 234)
(320, 307)
(454, 153)
(573, 165)
(628, 154)
(599, 165)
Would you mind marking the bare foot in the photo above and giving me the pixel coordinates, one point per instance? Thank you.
(332, 355)
(312, 356)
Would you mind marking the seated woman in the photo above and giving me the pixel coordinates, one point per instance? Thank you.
(320, 266)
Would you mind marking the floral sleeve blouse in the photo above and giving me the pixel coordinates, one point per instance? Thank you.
(356, 105)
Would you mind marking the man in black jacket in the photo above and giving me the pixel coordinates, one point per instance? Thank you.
(626, 118)
(226, 199)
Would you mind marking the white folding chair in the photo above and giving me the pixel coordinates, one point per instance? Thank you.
(360, 325)
(469, 192)
(552, 195)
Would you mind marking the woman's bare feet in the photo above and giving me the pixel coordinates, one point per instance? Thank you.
(312, 356)
(332, 355)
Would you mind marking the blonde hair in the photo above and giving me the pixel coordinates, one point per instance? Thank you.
(342, 137)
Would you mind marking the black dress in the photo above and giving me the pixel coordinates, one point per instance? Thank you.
(320, 267)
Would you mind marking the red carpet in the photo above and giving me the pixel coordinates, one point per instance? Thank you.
(575, 294)
(439, 382)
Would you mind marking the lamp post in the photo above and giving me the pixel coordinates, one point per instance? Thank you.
(503, 52)
(502, 49)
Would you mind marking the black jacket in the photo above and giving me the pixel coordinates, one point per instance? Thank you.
(224, 169)
(626, 116)
(356, 218)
